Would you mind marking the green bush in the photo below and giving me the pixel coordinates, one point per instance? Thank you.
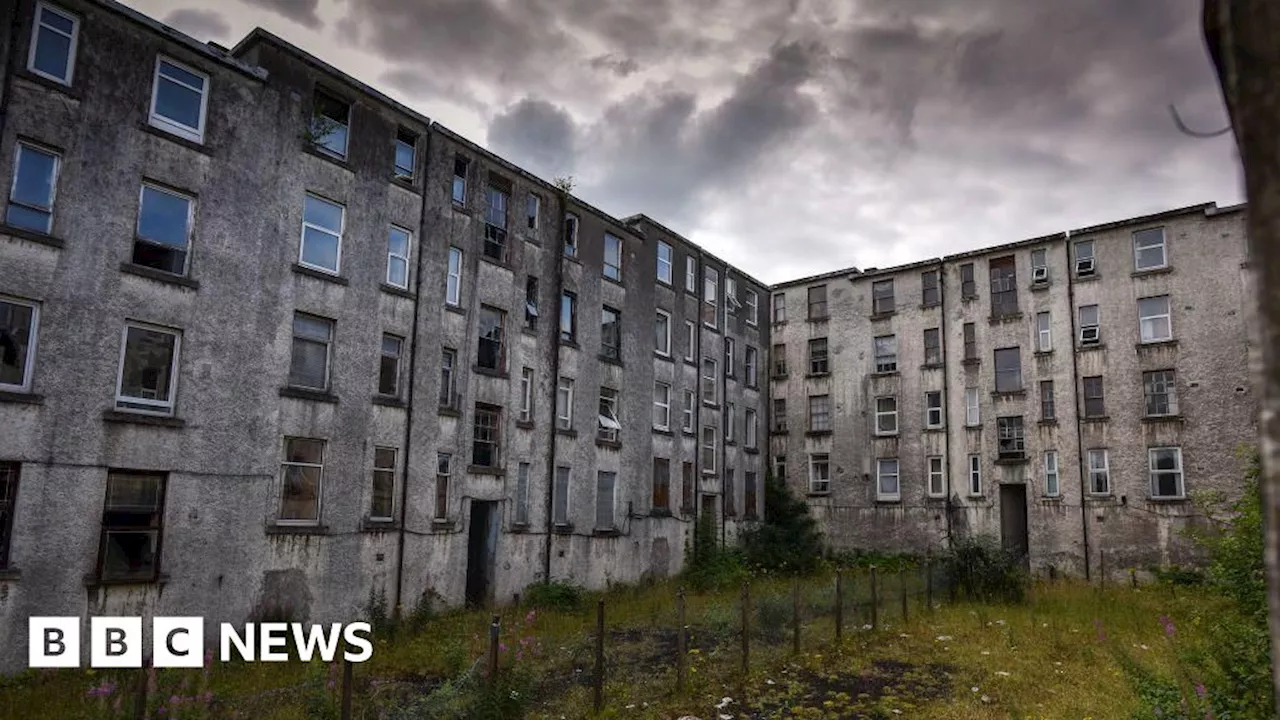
(788, 541)
(713, 567)
(773, 617)
(981, 569)
(555, 595)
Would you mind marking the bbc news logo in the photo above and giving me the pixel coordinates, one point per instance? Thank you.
(117, 642)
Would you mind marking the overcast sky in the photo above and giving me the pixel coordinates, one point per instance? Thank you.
(793, 137)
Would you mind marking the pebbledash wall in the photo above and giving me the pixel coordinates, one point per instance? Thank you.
(278, 346)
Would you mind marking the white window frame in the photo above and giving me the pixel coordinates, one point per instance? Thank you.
(1152, 473)
(1091, 256)
(608, 266)
(711, 295)
(730, 356)
(1167, 315)
(708, 469)
(939, 474)
(1044, 332)
(779, 308)
(690, 336)
(710, 398)
(1052, 476)
(564, 410)
(817, 484)
(661, 405)
(571, 238)
(399, 356)
(29, 362)
(328, 350)
(929, 410)
(284, 463)
(753, 308)
(972, 407)
(392, 256)
(522, 495)
(880, 431)
(690, 274)
(665, 348)
(53, 182)
(975, 475)
(751, 366)
(72, 48)
(751, 428)
(1164, 250)
(453, 295)
(1096, 324)
(161, 407)
(690, 399)
(395, 463)
(1104, 469)
(526, 394)
(191, 213)
(668, 263)
(194, 134)
(730, 422)
(881, 475)
(302, 240)
(608, 424)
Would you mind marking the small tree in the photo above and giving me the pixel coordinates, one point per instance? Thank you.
(788, 540)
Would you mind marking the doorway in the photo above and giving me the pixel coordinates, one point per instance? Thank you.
(482, 544)
(1013, 520)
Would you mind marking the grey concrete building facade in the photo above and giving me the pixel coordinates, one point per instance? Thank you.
(277, 346)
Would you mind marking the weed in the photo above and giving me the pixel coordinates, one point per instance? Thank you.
(983, 570)
(555, 595)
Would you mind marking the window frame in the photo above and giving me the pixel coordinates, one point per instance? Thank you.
(570, 240)
(532, 212)
(686, 420)
(975, 475)
(883, 300)
(382, 471)
(1048, 401)
(1137, 250)
(751, 366)
(138, 237)
(383, 355)
(660, 495)
(1169, 378)
(124, 403)
(611, 341)
(33, 338)
(663, 406)
(19, 145)
(174, 127)
(690, 274)
(972, 407)
(521, 514)
(707, 452)
(1100, 397)
(930, 289)
(611, 401)
(396, 167)
(1044, 332)
(318, 142)
(10, 480)
(155, 524)
(449, 378)
(285, 463)
(1166, 315)
(886, 362)
(569, 299)
(662, 348)
(825, 308)
(458, 187)
(73, 45)
(500, 343)
(750, 429)
(1009, 378)
(710, 398)
(932, 350)
(302, 241)
(1011, 437)
(1178, 473)
(612, 477)
(880, 413)
(616, 267)
(939, 474)
(930, 408)
(394, 256)
(819, 484)
(562, 485)
(881, 494)
(564, 409)
(1052, 474)
(1104, 469)
(753, 308)
(444, 478)
(819, 407)
(779, 315)
(453, 298)
(823, 358)
(968, 285)
(526, 394)
(494, 439)
(669, 263)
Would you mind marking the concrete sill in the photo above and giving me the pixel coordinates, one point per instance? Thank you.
(377, 526)
(977, 427)
(93, 581)
(779, 432)
(932, 366)
(449, 411)
(278, 529)
(567, 432)
(885, 436)
(1157, 419)
(660, 513)
(405, 184)
(530, 330)
(778, 323)
(569, 343)
(486, 470)
(750, 517)
(751, 450)
(688, 432)
(930, 306)
(1087, 348)
(1007, 317)
(460, 207)
(775, 376)
(21, 398)
(176, 140)
(518, 528)
(888, 501)
(10, 574)
(1048, 423)
(885, 374)
(1169, 500)
(608, 279)
(386, 401)
(562, 529)
(1153, 271)
(1156, 345)
(878, 316)
(503, 264)
(609, 360)
(70, 91)
(730, 443)
(1088, 278)
(818, 493)
(1008, 394)
(1051, 499)
(525, 424)
(307, 394)
(968, 298)
(159, 276)
(663, 431)
(608, 444)
(455, 309)
(32, 236)
(971, 362)
(571, 258)
(1042, 353)
(313, 150)
(1040, 287)
(301, 269)
(443, 525)
(817, 433)
(117, 416)
(818, 318)
(662, 356)
(1012, 460)
(936, 429)
(490, 372)
(817, 375)
(1095, 418)
(397, 291)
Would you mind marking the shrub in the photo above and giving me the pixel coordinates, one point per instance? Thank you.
(788, 541)
(713, 567)
(555, 595)
(773, 615)
(981, 569)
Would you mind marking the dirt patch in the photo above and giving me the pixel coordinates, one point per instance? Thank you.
(857, 695)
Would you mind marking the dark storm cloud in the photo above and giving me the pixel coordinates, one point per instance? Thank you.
(621, 67)
(303, 12)
(541, 134)
(201, 24)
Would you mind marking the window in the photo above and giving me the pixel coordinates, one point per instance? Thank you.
(19, 325)
(710, 297)
(933, 409)
(1011, 437)
(1039, 266)
(753, 307)
(971, 413)
(730, 422)
(1149, 249)
(970, 342)
(968, 286)
(1047, 410)
(453, 281)
(1166, 472)
(730, 494)
(1089, 331)
(887, 479)
(610, 333)
(751, 428)
(1008, 369)
(132, 526)
(687, 411)
(444, 468)
(531, 302)
(532, 209)
(690, 340)
(148, 369)
(522, 495)
(780, 467)
(779, 308)
(779, 356)
(560, 498)
(686, 487)
(526, 395)
(779, 415)
(406, 161)
(665, 263)
(53, 44)
(461, 166)
(690, 274)
(448, 390)
(322, 226)
(751, 367)
(382, 497)
(1044, 336)
(163, 234)
(819, 473)
(8, 501)
(932, 346)
(731, 303)
(612, 257)
(975, 474)
(35, 182)
(568, 317)
(819, 362)
(1004, 286)
(819, 413)
(564, 404)
(489, 350)
(709, 394)
(661, 484)
(709, 449)
(818, 302)
(608, 425)
(1153, 319)
(930, 292)
(662, 333)
(937, 481)
(301, 476)
(1099, 475)
(1160, 392)
(661, 406)
(486, 435)
(886, 352)
(1094, 405)
(570, 235)
(730, 357)
(751, 497)
(1084, 258)
(605, 483)
(179, 99)
(399, 241)
(882, 297)
(496, 200)
(1051, 486)
(389, 365)
(887, 415)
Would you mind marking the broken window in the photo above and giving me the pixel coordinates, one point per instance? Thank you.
(486, 435)
(606, 484)
(132, 525)
(389, 365)
(932, 346)
(661, 484)
(613, 257)
(531, 302)
(148, 369)
(301, 473)
(461, 165)
(8, 501)
(497, 198)
(968, 286)
(489, 349)
(19, 322)
(448, 389)
(1013, 445)
(406, 160)
(608, 424)
(1008, 369)
(568, 317)
(163, 235)
(384, 483)
(1004, 286)
(444, 469)
(1160, 391)
(886, 353)
(330, 119)
(610, 333)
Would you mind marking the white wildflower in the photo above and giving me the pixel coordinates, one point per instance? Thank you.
(986, 699)
(1002, 673)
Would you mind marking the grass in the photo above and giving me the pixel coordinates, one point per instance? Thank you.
(1053, 657)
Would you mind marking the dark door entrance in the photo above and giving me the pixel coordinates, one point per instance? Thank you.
(482, 541)
(1013, 519)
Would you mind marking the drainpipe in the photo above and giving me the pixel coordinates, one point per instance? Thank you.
(413, 374)
(557, 247)
(722, 385)
(699, 287)
(1075, 376)
(946, 395)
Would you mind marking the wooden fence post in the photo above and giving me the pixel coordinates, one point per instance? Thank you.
(795, 616)
(494, 626)
(875, 598)
(902, 589)
(140, 702)
(746, 628)
(682, 643)
(839, 606)
(928, 583)
(347, 682)
(599, 679)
